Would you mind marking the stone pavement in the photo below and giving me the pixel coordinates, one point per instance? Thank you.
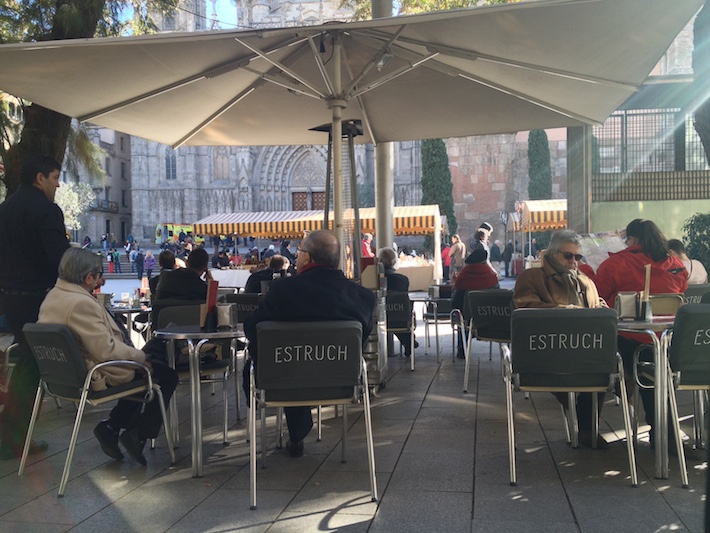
(442, 466)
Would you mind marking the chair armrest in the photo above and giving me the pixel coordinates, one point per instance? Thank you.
(120, 362)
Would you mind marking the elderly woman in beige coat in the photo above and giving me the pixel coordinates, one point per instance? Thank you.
(71, 302)
(558, 283)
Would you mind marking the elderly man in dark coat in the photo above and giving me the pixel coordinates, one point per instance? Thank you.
(320, 291)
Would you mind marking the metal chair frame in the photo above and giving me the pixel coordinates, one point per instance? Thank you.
(406, 315)
(291, 333)
(548, 320)
(432, 313)
(143, 391)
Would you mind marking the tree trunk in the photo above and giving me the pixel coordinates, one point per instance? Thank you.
(701, 70)
(46, 131)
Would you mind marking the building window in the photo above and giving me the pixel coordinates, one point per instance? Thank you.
(107, 191)
(121, 142)
(170, 164)
(124, 198)
(123, 169)
(648, 140)
(107, 165)
(169, 20)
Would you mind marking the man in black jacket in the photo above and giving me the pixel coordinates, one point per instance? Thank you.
(33, 235)
(186, 283)
(277, 265)
(320, 291)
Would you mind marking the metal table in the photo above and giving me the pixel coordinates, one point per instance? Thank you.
(129, 311)
(662, 325)
(191, 334)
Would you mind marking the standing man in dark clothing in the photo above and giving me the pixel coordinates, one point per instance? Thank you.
(33, 235)
(320, 291)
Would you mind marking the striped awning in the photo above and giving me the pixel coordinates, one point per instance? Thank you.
(408, 220)
(540, 215)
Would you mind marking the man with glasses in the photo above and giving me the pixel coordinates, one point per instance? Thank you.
(33, 237)
(320, 291)
(559, 283)
(100, 339)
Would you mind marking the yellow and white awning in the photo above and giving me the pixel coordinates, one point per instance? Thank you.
(408, 220)
(539, 215)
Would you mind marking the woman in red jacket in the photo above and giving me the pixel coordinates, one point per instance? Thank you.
(624, 271)
(476, 275)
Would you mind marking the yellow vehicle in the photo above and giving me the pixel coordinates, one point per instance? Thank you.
(171, 233)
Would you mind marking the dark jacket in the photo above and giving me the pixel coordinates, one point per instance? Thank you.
(181, 284)
(33, 239)
(253, 285)
(396, 282)
(318, 293)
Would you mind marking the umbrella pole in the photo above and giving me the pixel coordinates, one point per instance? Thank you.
(326, 209)
(356, 248)
(337, 105)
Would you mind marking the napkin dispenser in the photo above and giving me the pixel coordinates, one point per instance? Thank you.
(630, 306)
(224, 315)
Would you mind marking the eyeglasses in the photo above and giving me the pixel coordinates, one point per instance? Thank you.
(570, 255)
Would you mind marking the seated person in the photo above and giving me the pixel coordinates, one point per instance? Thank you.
(397, 283)
(476, 275)
(277, 266)
(696, 271)
(186, 283)
(166, 260)
(625, 271)
(320, 291)
(559, 283)
(100, 339)
(220, 260)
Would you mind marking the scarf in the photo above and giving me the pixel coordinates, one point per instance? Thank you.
(568, 278)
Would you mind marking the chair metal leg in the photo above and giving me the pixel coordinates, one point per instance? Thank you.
(251, 413)
(511, 425)
(436, 332)
(568, 437)
(279, 427)
(163, 412)
(698, 419)
(635, 418)
(262, 416)
(225, 413)
(320, 423)
(630, 439)
(490, 350)
(467, 354)
(28, 439)
(368, 432)
(72, 443)
(676, 430)
(572, 414)
(595, 419)
(345, 433)
(411, 341)
(235, 374)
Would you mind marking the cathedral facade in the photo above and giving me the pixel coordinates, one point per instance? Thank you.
(187, 184)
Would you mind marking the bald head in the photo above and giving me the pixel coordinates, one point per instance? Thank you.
(323, 248)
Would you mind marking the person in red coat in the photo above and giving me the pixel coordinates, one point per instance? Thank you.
(624, 271)
(476, 275)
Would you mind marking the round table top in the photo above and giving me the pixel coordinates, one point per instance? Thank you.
(194, 332)
(657, 323)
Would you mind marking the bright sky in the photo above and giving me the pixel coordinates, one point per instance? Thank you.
(226, 13)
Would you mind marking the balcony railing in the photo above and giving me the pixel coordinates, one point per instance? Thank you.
(104, 205)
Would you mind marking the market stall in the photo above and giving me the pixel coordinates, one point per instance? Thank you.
(535, 215)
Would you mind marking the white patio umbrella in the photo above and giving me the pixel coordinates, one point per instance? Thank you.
(482, 70)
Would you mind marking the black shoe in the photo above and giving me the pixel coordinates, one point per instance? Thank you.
(295, 449)
(9, 452)
(460, 353)
(416, 344)
(585, 439)
(133, 444)
(108, 439)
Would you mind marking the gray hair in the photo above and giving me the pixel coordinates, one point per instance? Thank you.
(561, 237)
(323, 247)
(388, 257)
(76, 263)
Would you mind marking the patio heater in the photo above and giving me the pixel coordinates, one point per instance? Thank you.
(351, 236)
